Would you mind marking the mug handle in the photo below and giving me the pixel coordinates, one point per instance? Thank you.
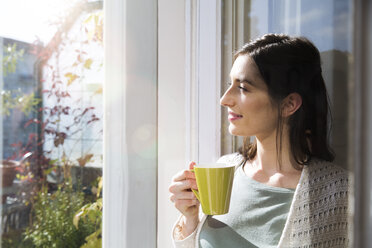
(196, 193)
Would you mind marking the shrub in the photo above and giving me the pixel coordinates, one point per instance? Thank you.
(53, 215)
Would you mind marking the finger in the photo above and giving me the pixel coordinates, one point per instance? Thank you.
(184, 204)
(186, 195)
(182, 175)
(191, 165)
(178, 187)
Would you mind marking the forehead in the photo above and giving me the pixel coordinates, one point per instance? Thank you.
(244, 67)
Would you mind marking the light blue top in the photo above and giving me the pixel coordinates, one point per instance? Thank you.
(256, 217)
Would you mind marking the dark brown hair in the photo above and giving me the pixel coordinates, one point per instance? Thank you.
(292, 65)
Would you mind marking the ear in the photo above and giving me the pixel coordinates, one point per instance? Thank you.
(290, 104)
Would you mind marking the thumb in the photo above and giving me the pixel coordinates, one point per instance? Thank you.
(191, 165)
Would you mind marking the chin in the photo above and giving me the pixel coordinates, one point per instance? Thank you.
(236, 131)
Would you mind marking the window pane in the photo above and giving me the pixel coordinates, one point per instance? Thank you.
(51, 122)
(328, 26)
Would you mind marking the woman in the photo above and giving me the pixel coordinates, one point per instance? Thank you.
(286, 191)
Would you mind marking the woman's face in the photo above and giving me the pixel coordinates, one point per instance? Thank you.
(251, 113)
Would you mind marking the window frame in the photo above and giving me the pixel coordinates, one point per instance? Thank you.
(130, 178)
(203, 56)
(189, 81)
(362, 136)
(207, 92)
(200, 16)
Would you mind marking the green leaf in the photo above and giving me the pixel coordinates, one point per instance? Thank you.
(76, 219)
(48, 171)
(53, 161)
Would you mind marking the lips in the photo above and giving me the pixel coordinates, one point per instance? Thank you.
(233, 116)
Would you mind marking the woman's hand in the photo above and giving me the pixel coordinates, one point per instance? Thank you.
(185, 200)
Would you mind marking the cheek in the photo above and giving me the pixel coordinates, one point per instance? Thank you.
(256, 104)
(261, 110)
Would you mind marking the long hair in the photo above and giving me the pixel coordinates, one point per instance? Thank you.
(292, 65)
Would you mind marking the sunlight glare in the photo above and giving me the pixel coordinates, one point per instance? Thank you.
(27, 20)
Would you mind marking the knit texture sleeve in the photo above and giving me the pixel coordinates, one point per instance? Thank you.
(319, 213)
(235, 159)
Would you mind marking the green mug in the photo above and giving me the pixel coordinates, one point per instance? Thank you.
(214, 183)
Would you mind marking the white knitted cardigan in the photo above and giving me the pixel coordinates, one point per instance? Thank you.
(318, 216)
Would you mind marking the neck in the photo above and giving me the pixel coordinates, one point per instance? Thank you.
(267, 158)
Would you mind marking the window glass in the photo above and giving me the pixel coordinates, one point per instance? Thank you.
(51, 82)
(328, 24)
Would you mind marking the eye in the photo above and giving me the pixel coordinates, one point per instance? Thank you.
(242, 88)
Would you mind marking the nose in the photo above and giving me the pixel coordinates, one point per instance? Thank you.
(227, 99)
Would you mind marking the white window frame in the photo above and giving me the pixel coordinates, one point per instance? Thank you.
(130, 103)
(203, 80)
(129, 219)
(130, 180)
(193, 131)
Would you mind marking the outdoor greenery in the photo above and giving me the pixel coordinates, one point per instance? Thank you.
(12, 56)
(63, 212)
(26, 103)
(52, 225)
(15, 99)
(92, 213)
